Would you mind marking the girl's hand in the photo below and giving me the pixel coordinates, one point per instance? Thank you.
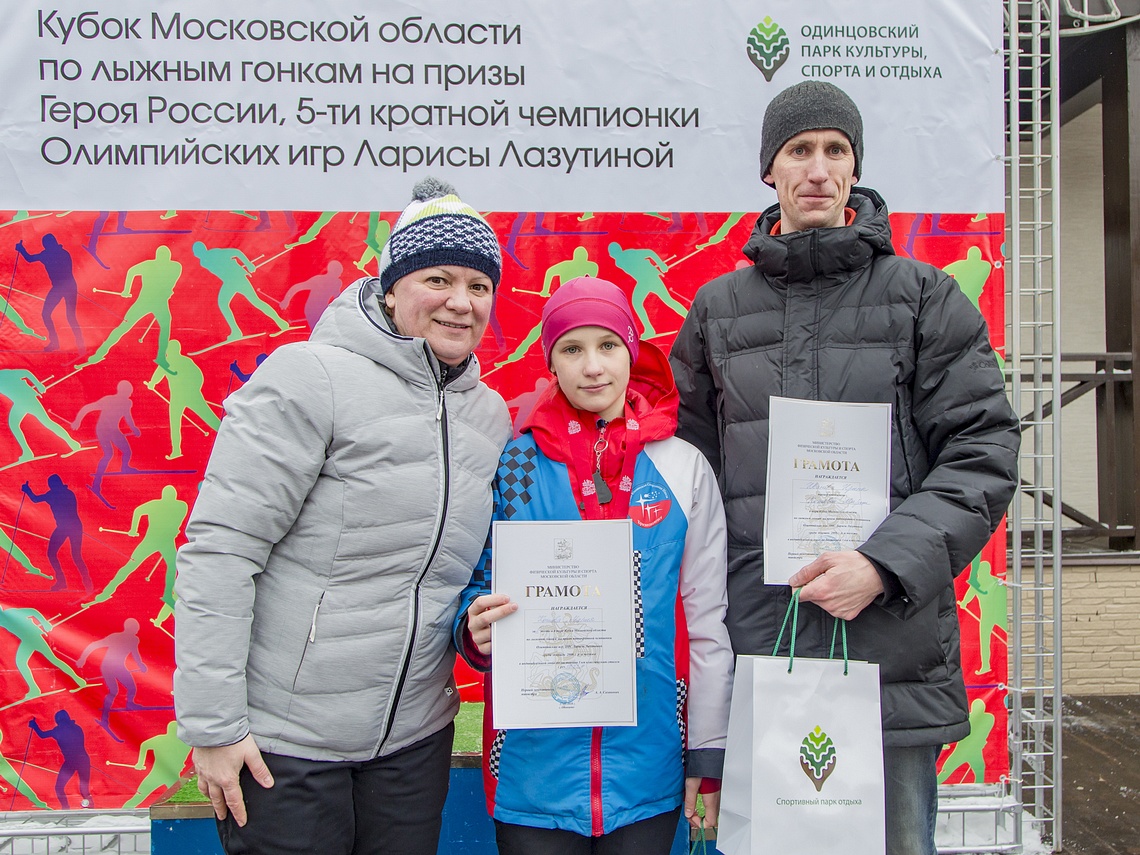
(482, 613)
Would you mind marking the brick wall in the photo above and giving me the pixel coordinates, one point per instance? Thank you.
(1100, 627)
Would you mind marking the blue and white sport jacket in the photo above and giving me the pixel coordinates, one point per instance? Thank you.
(593, 780)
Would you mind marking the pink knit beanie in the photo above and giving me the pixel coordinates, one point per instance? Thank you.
(588, 302)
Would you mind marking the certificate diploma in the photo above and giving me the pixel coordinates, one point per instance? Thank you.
(828, 486)
(566, 657)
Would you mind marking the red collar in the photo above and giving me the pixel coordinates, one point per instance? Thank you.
(848, 217)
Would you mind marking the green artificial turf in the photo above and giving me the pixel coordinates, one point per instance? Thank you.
(469, 728)
(187, 793)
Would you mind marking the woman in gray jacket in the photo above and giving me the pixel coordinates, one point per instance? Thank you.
(346, 500)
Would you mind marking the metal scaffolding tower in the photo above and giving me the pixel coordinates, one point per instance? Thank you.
(1031, 798)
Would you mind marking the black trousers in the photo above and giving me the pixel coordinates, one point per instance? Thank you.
(653, 836)
(388, 804)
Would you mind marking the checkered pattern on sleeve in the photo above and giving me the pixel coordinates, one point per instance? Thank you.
(482, 572)
(638, 608)
(682, 718)
(515, 479)
(495, 753)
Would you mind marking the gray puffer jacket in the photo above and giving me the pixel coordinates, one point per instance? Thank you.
(834, 315)
(346, 500)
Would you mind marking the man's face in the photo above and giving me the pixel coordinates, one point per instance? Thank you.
(813, 173)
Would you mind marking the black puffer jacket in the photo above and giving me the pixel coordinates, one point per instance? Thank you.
(834, 315)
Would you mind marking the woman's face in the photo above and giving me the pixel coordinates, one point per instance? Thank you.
(592, 368)
(447, 305)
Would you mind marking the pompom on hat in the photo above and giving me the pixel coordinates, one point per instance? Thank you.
(439, 228)
(812, 105)
(588, 302)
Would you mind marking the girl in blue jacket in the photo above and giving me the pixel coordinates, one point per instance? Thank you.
(599, 445)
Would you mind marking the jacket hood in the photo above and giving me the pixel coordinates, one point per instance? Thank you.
(805, 255)
(356, 321)
(652, 394)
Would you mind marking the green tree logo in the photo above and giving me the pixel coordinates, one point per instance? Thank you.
(817, 757)
(768, 47)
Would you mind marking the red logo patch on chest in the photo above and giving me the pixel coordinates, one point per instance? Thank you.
(649, 504)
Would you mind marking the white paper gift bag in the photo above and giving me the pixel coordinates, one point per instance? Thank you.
(803, 769)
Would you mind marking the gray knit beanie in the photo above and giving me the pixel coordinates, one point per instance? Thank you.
(809, 106)
(439, 228)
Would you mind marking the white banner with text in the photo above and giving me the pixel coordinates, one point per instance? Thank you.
(606, 105)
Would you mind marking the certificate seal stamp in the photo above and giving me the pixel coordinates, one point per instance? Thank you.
(565, 688)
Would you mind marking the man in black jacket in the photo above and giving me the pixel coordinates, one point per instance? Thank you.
(828, 312)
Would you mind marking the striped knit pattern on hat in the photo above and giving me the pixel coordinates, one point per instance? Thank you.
(439, 228)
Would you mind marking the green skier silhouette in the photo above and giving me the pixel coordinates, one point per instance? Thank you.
(646, 267)
(378, 232)
(9, 774)
(8, 547)
(184, 380)
(234, 268)
(29, 627)
(990, 593)
(169, 754)
(563, 271)
(23, 389)
(8, 313)
(157, 277)
(971, 273)
(968, 751)
(164, 521)
(723, 231)
(19, 217)
(315, 229)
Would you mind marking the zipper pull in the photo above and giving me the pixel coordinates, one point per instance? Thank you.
(442, 381)
(313, 627)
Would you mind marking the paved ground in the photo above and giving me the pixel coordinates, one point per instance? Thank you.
(1101, 775)
(1101, 768)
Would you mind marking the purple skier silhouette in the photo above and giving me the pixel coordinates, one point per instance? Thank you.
(68, 527)
(235, 369)
(113, 410)
(120, 647)
(525, 403)
(57, 262)
(322, 289)
(76, 761)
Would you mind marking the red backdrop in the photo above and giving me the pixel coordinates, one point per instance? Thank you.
(93, 670)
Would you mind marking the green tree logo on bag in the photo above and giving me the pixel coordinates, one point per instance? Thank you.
(768, 47)
(817, 757)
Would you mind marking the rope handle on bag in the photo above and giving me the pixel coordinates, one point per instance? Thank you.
(699, 845)
(831, 652)
(794, 612)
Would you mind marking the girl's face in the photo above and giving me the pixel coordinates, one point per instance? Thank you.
(592, 366)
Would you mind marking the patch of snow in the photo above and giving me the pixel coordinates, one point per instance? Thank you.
(978, 824)
(49, 832)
